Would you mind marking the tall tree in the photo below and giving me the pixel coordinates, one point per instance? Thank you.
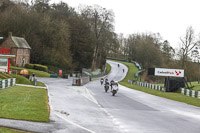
(100, 20)
(188, 43)
(168, 53)
(81, 43)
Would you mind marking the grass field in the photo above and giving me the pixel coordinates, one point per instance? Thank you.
(169, 95)
(196, 86)
(31, 71)
(7, 130)
(24, 103)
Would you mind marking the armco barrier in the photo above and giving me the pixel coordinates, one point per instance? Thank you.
(99, 75)
(191, 93)
(7, 83)
(151, 86)
(80, 81)
(116, 59)
(53, 76)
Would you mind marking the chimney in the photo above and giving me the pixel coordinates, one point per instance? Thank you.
(24, 36)
(9, 34)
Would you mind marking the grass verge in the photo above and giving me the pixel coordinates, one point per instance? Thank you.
(8, 130)
(196, 86)
(31, 71)
(24, 103)
(169, 95)
(108, 68)
(22, 80)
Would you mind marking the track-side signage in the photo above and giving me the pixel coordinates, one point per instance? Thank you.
(169, 72)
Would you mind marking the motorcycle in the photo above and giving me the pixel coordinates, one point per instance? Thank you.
(106, 87)
(114, 90)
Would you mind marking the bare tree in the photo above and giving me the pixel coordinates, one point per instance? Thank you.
(188, 43)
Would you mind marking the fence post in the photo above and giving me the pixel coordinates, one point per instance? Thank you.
(188, 92)
(8, 82)
(196, 94)
(14, 81)
(3, 84)
(11, 82)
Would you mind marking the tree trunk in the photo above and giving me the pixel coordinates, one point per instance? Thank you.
(94, 61)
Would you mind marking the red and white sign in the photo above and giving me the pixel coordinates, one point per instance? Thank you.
(169, 72)
(60, 72)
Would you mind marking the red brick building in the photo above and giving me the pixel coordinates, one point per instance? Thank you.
(18, 47)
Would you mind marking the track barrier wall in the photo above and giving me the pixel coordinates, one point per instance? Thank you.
(7, 83)
(151, 86)
(191, 93)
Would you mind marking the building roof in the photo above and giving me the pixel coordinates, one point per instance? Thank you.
(20, 42)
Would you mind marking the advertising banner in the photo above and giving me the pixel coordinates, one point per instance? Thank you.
(169, 72)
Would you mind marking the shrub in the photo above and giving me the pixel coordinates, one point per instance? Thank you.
(37, 67)
(40, 67)
(30, 66)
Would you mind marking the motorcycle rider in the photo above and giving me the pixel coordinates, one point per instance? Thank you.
(106, 80)
(115, 88)
(106, 84)
(111, 84)
(101, 80)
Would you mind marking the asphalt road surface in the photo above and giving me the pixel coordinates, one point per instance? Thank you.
(88, 109)
(137, 112)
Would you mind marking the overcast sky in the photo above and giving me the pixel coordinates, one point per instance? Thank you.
(168, 17)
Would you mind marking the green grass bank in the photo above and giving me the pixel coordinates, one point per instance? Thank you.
(31, 71)
(24, 103)
(169, 95)
(108, 68)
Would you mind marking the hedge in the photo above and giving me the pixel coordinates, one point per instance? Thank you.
(41, 67)
(37, 67)
(30, 66)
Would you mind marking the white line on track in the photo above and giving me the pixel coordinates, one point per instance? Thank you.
(74, 123)
(51, 107)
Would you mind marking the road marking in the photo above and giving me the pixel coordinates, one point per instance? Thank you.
(31, 86)
(187, 114)
(74, 123)
(53, 111)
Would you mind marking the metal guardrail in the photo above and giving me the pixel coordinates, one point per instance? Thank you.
(79, 81)
(99, 75)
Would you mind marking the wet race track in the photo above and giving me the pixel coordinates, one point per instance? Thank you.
(89, 109)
